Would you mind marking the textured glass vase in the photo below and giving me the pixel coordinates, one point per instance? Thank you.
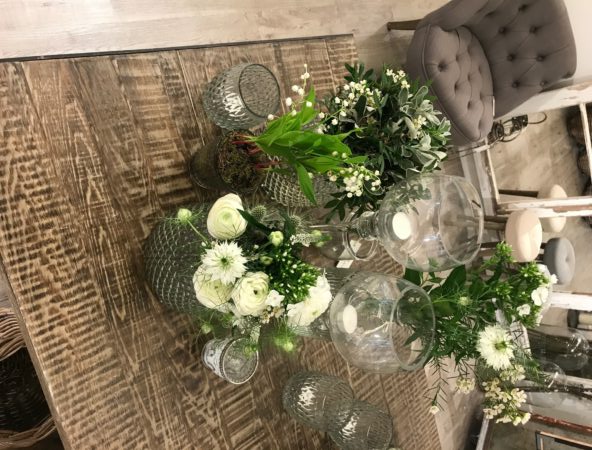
(364, 427)
(285, 190)
(381, 323)
(427, 223)
(242, 97)
(316, 399)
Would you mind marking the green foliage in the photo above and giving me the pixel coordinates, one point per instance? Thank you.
(390, 120)
(293, 140)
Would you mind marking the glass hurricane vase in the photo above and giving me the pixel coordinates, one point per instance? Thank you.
(566, 347)
(242, 97)
(381, 323)
(429, 222)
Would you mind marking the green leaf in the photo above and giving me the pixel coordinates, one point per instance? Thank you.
(254, 222)
(413, 276)
(455, 280)
(305, 183)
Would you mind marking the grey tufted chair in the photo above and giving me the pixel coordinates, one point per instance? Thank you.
(486, 57)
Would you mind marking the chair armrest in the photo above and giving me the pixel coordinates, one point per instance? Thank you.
(458, 13)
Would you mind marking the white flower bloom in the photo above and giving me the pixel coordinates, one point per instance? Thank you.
(224, 262)
(346, 87)
(250, 294)
(308, 104)
(553, 279)
(316, 303)
(337, 100)
(525, 418)
(274, 299)
(295, 88)
(334, 122)
(224, 219)
(342, 113)
(321, 115)
(300, 91)
(351, 95)
(345, 103)
(289, 101)
(465, 385)
(319, 130)
(495, 347)
(294, 112)
(211, 293)
(270, 117)
(405, 84)
(434, 409)
(540, 295)
(523, 310)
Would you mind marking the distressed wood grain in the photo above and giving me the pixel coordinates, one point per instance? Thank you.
(93, 153)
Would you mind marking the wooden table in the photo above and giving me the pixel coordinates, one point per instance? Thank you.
(93, 152)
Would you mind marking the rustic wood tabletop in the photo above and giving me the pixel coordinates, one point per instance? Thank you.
(93, 152)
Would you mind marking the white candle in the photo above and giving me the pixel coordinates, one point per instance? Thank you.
(349, 319)
(401, 226)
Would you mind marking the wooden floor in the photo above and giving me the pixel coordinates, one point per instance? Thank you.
(31, 28)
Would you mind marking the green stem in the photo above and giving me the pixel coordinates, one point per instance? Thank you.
(205, 239)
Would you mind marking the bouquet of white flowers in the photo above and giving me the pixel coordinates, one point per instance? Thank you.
(246, 273)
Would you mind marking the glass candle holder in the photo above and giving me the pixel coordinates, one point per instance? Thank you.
(341, 241)
(364, 427)
(242, 97)
(381, 323)
(429, 222)
(316, 399)
(231, 359)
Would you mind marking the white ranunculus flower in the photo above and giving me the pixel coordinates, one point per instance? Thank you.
(276, 238)
(211, 293)
(540, 295)
(224, 219)
(316, 303)
(250, 294)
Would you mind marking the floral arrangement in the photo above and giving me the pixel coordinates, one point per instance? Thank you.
(296, 142)
(392, 122)
(249, 275)
(474, 310)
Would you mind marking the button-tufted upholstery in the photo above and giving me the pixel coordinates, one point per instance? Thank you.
(560, 258)
(478, 50)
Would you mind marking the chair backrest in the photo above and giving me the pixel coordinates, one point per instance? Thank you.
(529, 44)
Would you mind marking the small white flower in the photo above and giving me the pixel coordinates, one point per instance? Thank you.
(305, 76)
(346, 87)
(295, 88)
(370, 108)
(553, 279)
(344, 155)
(351, 95)
(345, 103)
(224, 262)
(525, 418)
(523, 310)
(316, 303)
(300, 91)
(308, 104)
(321, 115)
(294, 112)
(274, 299)
(334, 122)
(350, 195)
(540, 295)
(270, 117)
(342, 113)
(495, 347)
(319, 130)
(333, 178)
(337, 100)
(289, 101)
(465, 385)
(434, 409)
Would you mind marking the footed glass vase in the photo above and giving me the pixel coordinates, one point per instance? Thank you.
(381, 323)
(428, 223)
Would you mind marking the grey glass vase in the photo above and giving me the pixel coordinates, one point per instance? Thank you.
(316, 399)
(242, 97)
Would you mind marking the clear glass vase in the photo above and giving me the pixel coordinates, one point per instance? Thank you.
(428, 223)
(342, 242)
(363, 427)
(381, 323)
(316, 399)
(566, 347)
(242, 97)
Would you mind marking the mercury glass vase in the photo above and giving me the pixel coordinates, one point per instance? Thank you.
(364, 427)
(429, 223)
(231, 359)
(316, 399)
(381, 323)
(242, 97)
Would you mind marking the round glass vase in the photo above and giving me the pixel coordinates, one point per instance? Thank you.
(428, 223)
(363, 427)
(566, 347)
(229, 163)
(316, 399)
(382, 324)
(242, 97)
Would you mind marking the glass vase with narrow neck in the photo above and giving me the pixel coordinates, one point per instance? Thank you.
(428, 223)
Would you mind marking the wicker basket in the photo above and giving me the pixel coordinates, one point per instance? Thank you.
(24, 414)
